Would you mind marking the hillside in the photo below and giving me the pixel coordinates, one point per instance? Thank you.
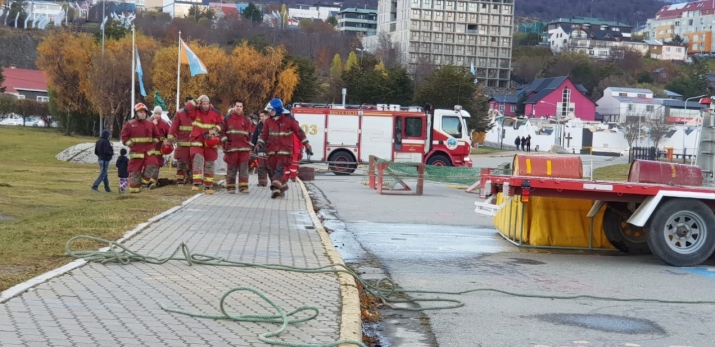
(630, 12)
(19, 47)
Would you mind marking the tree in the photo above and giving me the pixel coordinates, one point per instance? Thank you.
(332, 21)
(352, 61)
(113, 30)
(42, 111)
(336, 67)
(197, 12)
(577, 66)
(452, 85)
(631, 128)
(402, 89)
(26, 108)
(7, 104)
(15, 8)
(252, 13)
(658, 128)
(388, 52)
(677, 39)
(692, 83)
(64, 57)
(2, 80)
(367, 83)
(307, 89)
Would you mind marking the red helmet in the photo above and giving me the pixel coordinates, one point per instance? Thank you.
(166, 149)
(140, 106)
(211, 140)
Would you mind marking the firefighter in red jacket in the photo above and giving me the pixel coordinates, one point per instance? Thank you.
(139, 135)
(237, 148)
(261, 165)
(163, 128)
(278, 133)
(292, 171)
(204, 150)
(180, 133)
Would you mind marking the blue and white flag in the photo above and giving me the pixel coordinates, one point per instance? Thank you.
(140, 73)
(188, 57)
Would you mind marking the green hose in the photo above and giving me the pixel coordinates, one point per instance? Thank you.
(385, 289)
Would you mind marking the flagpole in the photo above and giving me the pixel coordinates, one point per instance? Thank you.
(178, 75)
(134, 61)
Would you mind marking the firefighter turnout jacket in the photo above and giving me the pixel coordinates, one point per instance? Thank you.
(237, 133)
(278, 134)
(163, 132)
(140, 136)
(202, 122)
(181, 127)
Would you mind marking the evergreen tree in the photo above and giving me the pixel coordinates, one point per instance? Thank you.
(352, 61)
(336, 67)
(251, 12)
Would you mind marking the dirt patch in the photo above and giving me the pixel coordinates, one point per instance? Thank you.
(15, 269)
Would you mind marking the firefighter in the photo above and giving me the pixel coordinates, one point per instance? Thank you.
(292, 171)
(204, 142)
(262, 168)
(277, 137)
(237, 148)
(163, 128)
(180, 133)
(140, 136)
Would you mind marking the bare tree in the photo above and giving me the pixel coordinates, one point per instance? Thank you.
(631, 128)
(423, 68)
(658, 129)
(388, 52)
(26, 108)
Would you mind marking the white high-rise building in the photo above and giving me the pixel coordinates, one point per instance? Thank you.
(451, 32)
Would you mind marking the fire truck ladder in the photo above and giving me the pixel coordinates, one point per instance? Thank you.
(705, 156)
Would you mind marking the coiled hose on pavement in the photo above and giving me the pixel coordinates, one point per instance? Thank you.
(384, 289)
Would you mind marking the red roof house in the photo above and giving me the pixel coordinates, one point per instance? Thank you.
(25, 84)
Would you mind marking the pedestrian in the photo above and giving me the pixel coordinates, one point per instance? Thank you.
(123, 172)
(517, 142)
(292, 171)
(528, 143)
(163, 129)
(262, 166)
(523, 143)
(140, 135)
(180, 134)
(277, 137)
(204, 142)
(237, 148)
(104, 151)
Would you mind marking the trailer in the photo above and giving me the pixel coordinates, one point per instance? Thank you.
(344, 136)
(662, 208)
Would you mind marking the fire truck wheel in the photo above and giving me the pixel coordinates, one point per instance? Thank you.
(625, 237)
(342, 163)
(682, 232)
(439, 160)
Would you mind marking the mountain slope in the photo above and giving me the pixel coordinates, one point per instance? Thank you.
(630, 12)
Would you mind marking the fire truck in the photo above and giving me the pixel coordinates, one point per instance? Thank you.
(344, 136)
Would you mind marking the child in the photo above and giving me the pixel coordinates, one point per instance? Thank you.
(122, 163)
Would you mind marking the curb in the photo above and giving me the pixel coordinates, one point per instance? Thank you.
(350, 319)
(33, 282)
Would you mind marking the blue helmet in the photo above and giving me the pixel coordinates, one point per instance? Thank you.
(277, 105)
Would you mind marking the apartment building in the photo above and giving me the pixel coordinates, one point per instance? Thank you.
(692, 21)
(358, 21)
(585, 32)
(451, 32)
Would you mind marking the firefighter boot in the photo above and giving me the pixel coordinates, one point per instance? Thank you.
(275, 193)
(195, 188)
(208, 190)
(243, 190)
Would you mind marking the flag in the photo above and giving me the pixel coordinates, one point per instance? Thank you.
(104, 22)
(474, 72)
(188, 57)
(140, 73)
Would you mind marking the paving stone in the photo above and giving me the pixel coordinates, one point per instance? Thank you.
(119, 305)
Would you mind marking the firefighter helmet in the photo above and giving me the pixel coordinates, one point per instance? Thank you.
(140, 106)
(167, 148)
(211, 140)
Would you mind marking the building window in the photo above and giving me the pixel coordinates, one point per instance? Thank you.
(512, 108)
(631, 107)
(565, 101)
(622, 94)
(641, 95)
(650, 108)
(43, 99)
(501, 108)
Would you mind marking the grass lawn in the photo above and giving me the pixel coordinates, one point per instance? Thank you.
(618, 172)
(486, 150)
(44, 202)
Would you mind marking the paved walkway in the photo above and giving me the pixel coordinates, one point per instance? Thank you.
(118, 305)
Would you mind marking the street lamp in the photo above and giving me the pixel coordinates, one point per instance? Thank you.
(685, 106)
(362, 53)
(558, 125)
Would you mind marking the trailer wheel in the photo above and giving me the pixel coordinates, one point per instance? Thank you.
(681, 232)
(625, 237)
(342, 163)
(439, 160)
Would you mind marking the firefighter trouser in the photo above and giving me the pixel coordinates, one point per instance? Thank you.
(160, 163)
(183, 164)
(262, 171)
(203, 165)
(277, 165)
(150, 170)
(237, 162)
(136, 165)
(292, 170)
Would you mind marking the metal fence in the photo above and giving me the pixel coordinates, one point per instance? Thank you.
(642, 153)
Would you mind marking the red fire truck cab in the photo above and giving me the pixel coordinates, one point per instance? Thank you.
(344, 136)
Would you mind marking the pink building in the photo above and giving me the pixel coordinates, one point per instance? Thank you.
(557, 97)
(506, 104)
